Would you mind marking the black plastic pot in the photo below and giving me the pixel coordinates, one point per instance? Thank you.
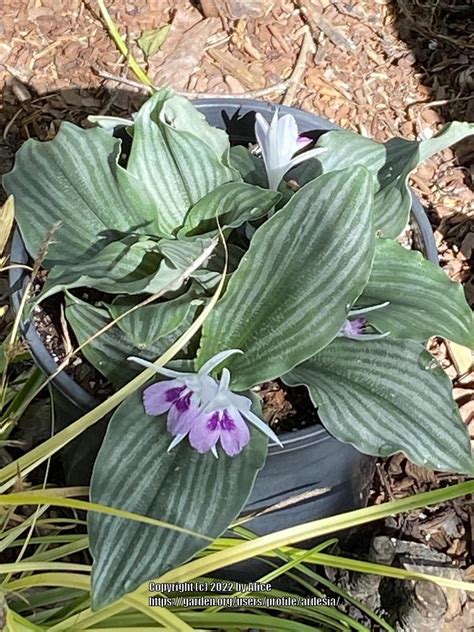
(326, 476)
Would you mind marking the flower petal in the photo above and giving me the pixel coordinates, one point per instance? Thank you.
(287, 138)
(354, 327)
(275, 176)
(234, 433)
(262, 426)
(182, 414)
(217, 359)
(303, 140)
(159, 397)
(365, 310)
(158, 369)
(367, 336)
(306, 155)
(175, 442)
(240, 402)
(205, 431)
(261, 132)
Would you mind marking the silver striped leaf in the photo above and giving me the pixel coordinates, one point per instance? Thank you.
(291, 292)
(130, 266)
(250, 167)
(125, 267)
(108, 352)
(177, 156)
(423, 301)
(391, 163)
(134, 472)
(233, 203)
(74, 179)
(147, 324)
(385, 396)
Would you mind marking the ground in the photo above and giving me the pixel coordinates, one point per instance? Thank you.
(379, 67)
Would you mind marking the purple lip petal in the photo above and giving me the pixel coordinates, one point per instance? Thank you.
(229, 428)
(354, 327)
(180, 418)
(183, 402)
(234, 434)
(303, 140)
(158, 397)
(204, 432)
(176, 394)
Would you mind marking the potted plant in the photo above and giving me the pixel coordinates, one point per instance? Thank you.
(314, 292)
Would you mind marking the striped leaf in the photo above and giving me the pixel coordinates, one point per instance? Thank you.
(252, 170)
(391, 163)
(147, 324)
(234, 203)
(290, 294)
(385, 396)
(108, 352)
(249, 166)
(181, 253)
(130, 266)
(74, 179)
(120, 267)
(134, 472)
(423, 300)
(177, 157)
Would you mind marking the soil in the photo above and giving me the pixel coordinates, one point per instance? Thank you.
(57, 337)
(379, 67)
(287, 408)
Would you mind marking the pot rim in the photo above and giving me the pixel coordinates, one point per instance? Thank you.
(75, 393)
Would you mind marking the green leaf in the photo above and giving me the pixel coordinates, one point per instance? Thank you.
(108, 352)
(151, 40)
(391, 163)
(133, 471)
(129, 266)
(234, 203)
(148, 324)
(178, 157)
(125, 266)
(250, 167)
(74, 179)
(423, 300)
(386, 396)
(290, 294)
(181, 253)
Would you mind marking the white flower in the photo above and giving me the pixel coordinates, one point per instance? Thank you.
(279, 141)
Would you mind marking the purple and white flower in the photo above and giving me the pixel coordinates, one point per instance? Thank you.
(279, 142)
(203, 409)
(356, 328)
